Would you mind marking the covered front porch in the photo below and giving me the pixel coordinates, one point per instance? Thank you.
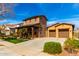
(30, 32)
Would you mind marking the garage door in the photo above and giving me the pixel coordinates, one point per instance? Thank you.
(63, 33)
(52, 33)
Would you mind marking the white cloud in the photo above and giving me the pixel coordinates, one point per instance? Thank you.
(74, 21)
(51, 22)
(4, 20)
(11, 21)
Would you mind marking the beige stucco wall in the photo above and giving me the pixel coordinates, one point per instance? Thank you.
(62, 26)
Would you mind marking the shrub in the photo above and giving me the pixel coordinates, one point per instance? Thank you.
(71, 45)
(13, 39)
(10, 38)
(52, 47)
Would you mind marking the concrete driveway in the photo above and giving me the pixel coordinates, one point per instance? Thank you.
(4, 49)
(32, 47)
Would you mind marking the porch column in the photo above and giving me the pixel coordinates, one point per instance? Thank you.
(70, 33)
(47, 33)
(56, 33)
(39, 32)
(32, 32)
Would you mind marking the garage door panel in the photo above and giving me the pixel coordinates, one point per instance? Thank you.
(52, 33)
(63, 33)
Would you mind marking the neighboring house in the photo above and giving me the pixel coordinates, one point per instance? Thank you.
(1, 29)
(9, 29)
(60, 30)
(33, 27)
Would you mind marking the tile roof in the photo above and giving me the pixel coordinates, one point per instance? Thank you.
(56, 24)
(35, 17)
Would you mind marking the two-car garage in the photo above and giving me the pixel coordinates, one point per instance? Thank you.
(62, 30)
(62, 33)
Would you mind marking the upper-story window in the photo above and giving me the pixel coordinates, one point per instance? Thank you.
(35, 19)
(29, 20)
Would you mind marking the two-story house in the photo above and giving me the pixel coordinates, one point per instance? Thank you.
(33, 27)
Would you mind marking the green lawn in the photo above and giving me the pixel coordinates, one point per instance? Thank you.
(13, 40)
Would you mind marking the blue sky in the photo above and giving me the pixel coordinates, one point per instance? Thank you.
(55, 12)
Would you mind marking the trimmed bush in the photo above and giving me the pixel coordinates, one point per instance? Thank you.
(52, 47)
